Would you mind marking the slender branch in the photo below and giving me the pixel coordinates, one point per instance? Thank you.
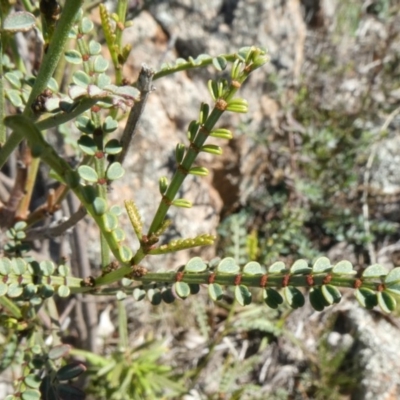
(145, 87)
(52, 232)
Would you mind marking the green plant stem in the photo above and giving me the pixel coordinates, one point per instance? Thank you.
(191, 65)
(61, 167)
(3, 104)
(49, 64)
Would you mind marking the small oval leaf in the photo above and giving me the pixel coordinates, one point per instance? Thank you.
(196, 264)
(20, 21)
(70, 371)
(253, 268)
(182, 289)
(375, 271)
(87, 145)
(272, 298)
(300, 267)
(386, 302)
(317, 299)
(293, 297)
(322, 264)
(331, 294)
(215, 291)
(63, 291)
(366, 297)
(88, 173)
(228, 265)
(344, 268)
(73, 57)
(242, 295)
(393, 276)
(115, 171)
(59, 351)
(277, 267)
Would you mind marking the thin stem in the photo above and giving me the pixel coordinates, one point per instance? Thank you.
(49, 64)
(144, 85)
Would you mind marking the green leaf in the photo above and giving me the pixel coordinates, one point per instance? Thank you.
(59, 351)
(86, 25)
(3, 288)
(386, 302)
(222, 133)
(277, 268)
(331, 294)
(20, 21)
(125, 253)
(115, 171)
(75, 92)
(154, 295)
(182, 289)
(366, 297)
(116, 210)
(15, 97)
(119, 234)
(30, 394)
(393, 288)
(272, 298)
(242, 295)
(253, 268)
(81, 78)
(110, 125)
(183, 203)
(99, 206)
(87, 145)
(88, 173)
(344, 268)
(317, 299)
(5, 266)
(212, 149)
(110, 221)
(196, 264)
(14, 290)
(53, 85)
(63, 270)
(85, 125)
(168, 296)
(138, 294)
(33, 381)
(322, 264)
(113, 146)
(63, 291)
(94, 48)
(199, 171)
(374, 271)
(66, 391)
(73, 57)
(228, 266)
(393, 276)
(103, 80)
(300, 267)
(100, 64)
(89, 193)
(293, 296)
(219, 63)
(14, 79)
(70, 371)
(215, 291)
